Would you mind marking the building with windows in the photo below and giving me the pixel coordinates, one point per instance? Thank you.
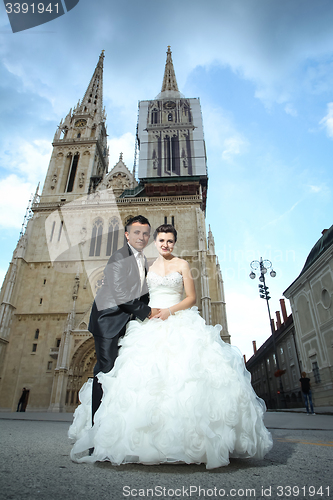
(77, 222)
(263, 365)
(311, 302)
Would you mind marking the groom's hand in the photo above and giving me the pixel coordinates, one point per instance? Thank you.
(154, 312)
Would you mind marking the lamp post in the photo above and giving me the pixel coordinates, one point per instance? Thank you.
(263, 266)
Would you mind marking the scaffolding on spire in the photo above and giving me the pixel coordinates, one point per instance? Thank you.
(136, 147)
(34, 198)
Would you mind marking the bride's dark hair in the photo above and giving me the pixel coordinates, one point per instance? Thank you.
(165, 228)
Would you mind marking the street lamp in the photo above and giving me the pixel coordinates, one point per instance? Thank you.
(263, 266)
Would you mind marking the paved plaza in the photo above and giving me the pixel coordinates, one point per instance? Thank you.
(35, 464)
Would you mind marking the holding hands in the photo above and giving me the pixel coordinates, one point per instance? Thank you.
(153, 313)
(162, 314)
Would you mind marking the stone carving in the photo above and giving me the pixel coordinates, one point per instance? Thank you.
(155, 163)
(54, 181)
(83, 235)
(200, 226)
(81, 179)
(184, 158)
(76, 286)
(119, 181)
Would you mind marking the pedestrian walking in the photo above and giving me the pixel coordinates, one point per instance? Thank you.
(23, 401)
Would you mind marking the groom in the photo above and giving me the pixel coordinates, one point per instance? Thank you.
(123, 296)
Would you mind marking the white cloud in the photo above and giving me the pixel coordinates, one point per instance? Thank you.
(327, 121)
(315, 189)
(290, 110)
(14, 197)
(322, 189)
(221, 135)
(284, 214)
(27, 159)
(233, 146)
(260, 41)
(124, 144)
(27, 164)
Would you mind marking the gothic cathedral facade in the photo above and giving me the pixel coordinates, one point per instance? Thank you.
(78, 221)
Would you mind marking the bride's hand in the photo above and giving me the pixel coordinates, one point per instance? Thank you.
(163, 314)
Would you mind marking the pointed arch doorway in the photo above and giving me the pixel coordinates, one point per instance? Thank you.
(81, 369)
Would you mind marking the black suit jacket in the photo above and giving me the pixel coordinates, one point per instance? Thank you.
(120, 296)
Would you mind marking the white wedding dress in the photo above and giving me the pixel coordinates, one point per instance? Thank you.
(177, 393)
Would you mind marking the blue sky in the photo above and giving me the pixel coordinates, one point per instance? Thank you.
(263, 70)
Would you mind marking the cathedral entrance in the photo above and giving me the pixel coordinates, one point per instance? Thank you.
(81, 369)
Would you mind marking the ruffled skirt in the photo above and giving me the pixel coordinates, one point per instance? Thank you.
(177, 393)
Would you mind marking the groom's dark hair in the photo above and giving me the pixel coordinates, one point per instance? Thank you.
(138, 218)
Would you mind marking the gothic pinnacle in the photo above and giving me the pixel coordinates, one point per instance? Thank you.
(92, 101)
(169, 79)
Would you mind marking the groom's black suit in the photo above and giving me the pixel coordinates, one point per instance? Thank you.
(118, 300)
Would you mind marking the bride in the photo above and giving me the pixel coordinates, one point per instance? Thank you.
(177, 392)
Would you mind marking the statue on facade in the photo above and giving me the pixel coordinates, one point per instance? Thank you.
(54, 181)
(81, 179)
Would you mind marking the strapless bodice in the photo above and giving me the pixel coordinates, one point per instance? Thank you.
(165, 291)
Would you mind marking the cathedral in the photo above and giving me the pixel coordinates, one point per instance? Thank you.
(77, 222)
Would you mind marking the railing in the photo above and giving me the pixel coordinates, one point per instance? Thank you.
(104, 201)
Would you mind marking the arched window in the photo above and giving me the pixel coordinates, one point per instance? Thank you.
(171, 155)
(72, 173)
(52, 230)
(113, 233)
(96, 238)
(154, 116)
(167, 153)
(175, 155)
(170, 117)
(60, 229)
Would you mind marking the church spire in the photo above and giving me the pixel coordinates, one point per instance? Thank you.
(169, 79)
(92, 102)
(169, 84)
(80, 158)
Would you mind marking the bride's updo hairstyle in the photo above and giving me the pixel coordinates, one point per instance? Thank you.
(165, 228)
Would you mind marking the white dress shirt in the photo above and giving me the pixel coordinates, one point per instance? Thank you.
(140, 260)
